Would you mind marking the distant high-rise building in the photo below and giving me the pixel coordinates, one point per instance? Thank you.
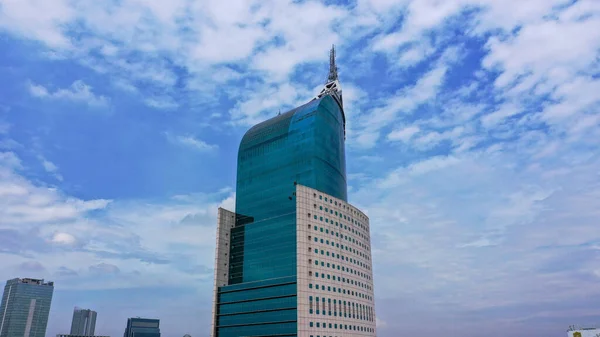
(577, 331)
(25, 307)
(142, 327)
(84, 322)
(65, 335)
(294, 259)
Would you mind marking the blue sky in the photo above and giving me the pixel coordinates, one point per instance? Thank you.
(473, 145)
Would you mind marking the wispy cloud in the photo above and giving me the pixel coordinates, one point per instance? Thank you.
(190, 142)
(50, 167)
(77, 92)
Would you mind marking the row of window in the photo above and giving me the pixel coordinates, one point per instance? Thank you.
(342, 268)
(331, 201)
(340, 257)
(338, 245)
(333, 266)
(341, 327)
(340, 308)
(343, 216)
(348, 238)
(340, 290)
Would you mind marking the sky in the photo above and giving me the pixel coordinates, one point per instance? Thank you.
(473, 144)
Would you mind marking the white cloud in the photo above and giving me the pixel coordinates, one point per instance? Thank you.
(77, 92)
(38, 222)
(403, 134)
(161, 103)
(50, 167)
(38, 19)
(63, 239)
(10, 160)
(191, 142)
(404, 101)
(104, 268)
(259, 105)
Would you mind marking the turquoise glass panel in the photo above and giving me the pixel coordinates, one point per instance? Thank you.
(303, 146)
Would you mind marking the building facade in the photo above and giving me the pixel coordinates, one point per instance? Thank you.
(25, 307)
(576, 331)
(84, 322)
(142, 327)
(294, 259)
(64, 335)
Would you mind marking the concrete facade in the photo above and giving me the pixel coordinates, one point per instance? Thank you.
(225, 222)
(334, 269)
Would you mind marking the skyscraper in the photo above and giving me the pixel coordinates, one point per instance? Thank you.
(84, 322)
(142, 327)
(294, 259)
(25, 307)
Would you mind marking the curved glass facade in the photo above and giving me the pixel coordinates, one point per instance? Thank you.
(303, 146)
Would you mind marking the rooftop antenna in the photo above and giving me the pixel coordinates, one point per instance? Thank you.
(333, 70)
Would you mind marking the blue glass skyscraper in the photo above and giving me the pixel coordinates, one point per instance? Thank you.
(291, 203)
(25, 307)
(142, 327)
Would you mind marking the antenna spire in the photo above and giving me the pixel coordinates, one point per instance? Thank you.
(333, 75)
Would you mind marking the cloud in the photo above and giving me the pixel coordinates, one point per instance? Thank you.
(404, 134)
(404, 101)
(161, 103)
(104, 268)
(31, 266)
(10, 160)
(65, 272)
(77, 92)
(50, 167)
(39, 221)
(63, 239)
(191, 142)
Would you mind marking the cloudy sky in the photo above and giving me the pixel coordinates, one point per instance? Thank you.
(473, 145)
